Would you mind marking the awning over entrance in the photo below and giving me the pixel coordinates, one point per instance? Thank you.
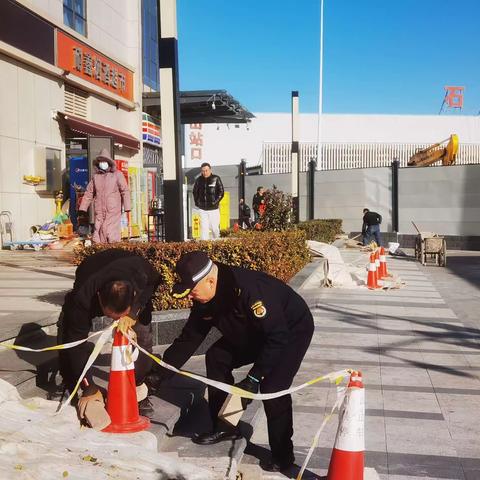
(202, 106)
(85, 127)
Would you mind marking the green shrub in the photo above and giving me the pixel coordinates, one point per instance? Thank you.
(281, 254)
(321, 230)
(278, 210)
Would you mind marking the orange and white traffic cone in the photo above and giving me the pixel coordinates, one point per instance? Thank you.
(372, 277)
(347, 461)
(383, 263)
(377, 264)
(122, 403)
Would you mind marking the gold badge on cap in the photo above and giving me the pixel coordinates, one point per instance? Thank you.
(259, 309)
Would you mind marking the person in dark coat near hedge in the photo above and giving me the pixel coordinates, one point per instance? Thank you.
(258, 204)
(244, 214)
(118, 284)
(263, 321)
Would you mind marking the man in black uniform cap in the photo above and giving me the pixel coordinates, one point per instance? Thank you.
(264, 322)
(118, 284)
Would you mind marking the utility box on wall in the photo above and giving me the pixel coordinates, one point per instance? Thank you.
(48, 166)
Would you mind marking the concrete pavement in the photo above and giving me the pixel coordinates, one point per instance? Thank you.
(418, 349)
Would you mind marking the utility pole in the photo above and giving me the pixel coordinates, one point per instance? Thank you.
(320, 95)
(295, 157)
(170, 120)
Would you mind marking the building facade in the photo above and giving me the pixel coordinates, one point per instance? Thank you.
(349, 141)
(70, 70)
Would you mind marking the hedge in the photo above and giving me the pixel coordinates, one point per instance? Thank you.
(281, 254)
(321, 230)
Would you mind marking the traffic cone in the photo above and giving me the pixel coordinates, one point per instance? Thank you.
(347, 461)
(377, 265)
(383, 263)
(372, 277)
(122, 403)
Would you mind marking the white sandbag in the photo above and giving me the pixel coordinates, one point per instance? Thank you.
(338, 272)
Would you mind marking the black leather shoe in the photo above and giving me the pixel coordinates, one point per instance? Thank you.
(145, 407)
(211, 438)
(277, 466)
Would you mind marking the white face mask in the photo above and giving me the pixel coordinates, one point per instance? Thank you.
(103, 165)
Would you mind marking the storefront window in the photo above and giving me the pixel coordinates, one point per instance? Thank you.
(75, 16)
(150, 43)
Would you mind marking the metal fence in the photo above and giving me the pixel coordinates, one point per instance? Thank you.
(276, 157)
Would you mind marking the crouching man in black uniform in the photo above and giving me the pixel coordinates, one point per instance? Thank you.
(264, 322)
(120, 285)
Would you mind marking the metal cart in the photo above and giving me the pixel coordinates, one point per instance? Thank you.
(430, 246)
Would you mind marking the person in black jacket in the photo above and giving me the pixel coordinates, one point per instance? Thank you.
(120, 285)
(262, 321)
(244, 214)
(207, 193)
(371, 227)
(258, 204)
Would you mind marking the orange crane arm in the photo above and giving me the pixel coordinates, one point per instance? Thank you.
(435, 153)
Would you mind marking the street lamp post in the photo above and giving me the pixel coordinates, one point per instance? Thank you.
(320, 95)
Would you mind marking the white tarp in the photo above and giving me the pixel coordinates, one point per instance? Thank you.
(36, 444)
(339, 273)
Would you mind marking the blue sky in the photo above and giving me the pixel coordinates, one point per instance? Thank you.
(380, 56)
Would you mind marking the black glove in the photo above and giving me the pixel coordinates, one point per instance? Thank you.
(156, 377)
(250, 384)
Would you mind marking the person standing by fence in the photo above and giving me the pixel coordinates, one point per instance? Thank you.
(371, 227)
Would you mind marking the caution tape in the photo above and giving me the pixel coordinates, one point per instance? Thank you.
(104, 335)
(63, 346)
(336, 377)
(341, 392)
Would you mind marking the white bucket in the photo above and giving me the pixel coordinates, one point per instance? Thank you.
(393, 246)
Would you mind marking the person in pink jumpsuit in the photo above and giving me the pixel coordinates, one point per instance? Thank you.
(109, 192)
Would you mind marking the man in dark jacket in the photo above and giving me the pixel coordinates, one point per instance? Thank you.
(118, 284)
(258, 204)
(371, 227)
(264, 322)
(244, 214)
(207, 193)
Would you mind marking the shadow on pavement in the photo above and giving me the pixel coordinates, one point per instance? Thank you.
(53, 298)
(466, 267)
(447, 334)
(45, 364)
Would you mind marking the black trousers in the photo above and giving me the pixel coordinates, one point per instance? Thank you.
(222, 359)
(143, 329)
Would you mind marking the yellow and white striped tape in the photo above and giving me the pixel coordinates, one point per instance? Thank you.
(336, 377)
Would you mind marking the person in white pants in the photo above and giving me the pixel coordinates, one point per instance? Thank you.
(207, 193)
(209, 220)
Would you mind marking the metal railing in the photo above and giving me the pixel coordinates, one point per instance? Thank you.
(276, 156)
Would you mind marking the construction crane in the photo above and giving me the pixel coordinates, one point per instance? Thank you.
(436, 153)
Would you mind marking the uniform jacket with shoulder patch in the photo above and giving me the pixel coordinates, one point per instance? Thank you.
(254, 312)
